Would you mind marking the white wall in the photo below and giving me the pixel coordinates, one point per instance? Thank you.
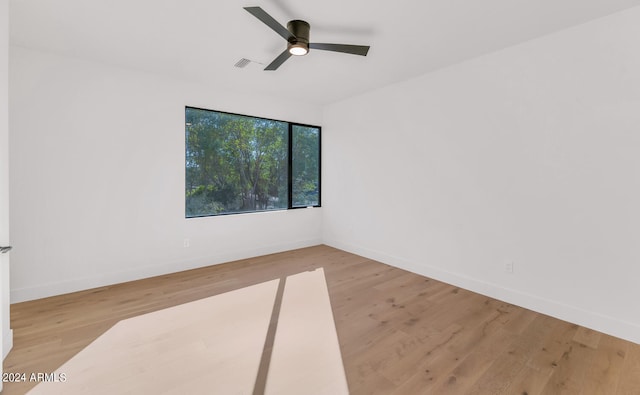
(97, 178)
(6, 337)
(530, 154)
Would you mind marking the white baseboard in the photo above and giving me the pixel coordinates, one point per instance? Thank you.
(104, 279)
(596, 321)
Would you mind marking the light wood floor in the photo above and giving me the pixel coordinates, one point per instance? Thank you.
(399, 333)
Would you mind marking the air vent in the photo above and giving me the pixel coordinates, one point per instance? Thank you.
(242, 63)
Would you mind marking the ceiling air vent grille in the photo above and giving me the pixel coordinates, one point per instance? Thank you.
(242, 63)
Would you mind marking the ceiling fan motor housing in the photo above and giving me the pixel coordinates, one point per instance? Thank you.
(300, 31)
(297, 35)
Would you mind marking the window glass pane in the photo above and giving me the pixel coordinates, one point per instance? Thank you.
(234, 163)
(305, 166)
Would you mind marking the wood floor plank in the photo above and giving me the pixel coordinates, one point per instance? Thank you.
(606, 368)
(629, 383)
(374, 385)
(438, 360)
(467, 372)
(569, 377)
(519, 320)
(505, 367)
(399, 333)
(587, 337)
(534, 377)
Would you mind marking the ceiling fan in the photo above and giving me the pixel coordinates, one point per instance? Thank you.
(297, 35)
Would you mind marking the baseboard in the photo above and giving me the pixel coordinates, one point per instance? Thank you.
(104, 279)
(7, 343)
(596, 321)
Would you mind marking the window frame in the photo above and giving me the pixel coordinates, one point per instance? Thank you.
(290, 126)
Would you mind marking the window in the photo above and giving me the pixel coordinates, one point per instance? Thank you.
(237, 164)
(305, 165)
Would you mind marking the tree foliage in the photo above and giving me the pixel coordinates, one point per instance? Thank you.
(305, 165)
(236, 163)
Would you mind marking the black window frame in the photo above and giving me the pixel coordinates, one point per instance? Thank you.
(290, 126)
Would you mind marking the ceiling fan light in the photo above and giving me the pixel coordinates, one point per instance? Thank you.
(298, 49)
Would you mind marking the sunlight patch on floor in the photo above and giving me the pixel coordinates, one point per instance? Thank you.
(215, 345)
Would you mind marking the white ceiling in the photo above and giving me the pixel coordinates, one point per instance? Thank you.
(201, 40)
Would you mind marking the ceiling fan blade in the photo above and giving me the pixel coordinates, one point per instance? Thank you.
(278, 61)
(269, 21)
(361, 50)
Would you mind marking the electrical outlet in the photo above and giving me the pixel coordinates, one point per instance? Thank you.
(508, 267)
(186, 243)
